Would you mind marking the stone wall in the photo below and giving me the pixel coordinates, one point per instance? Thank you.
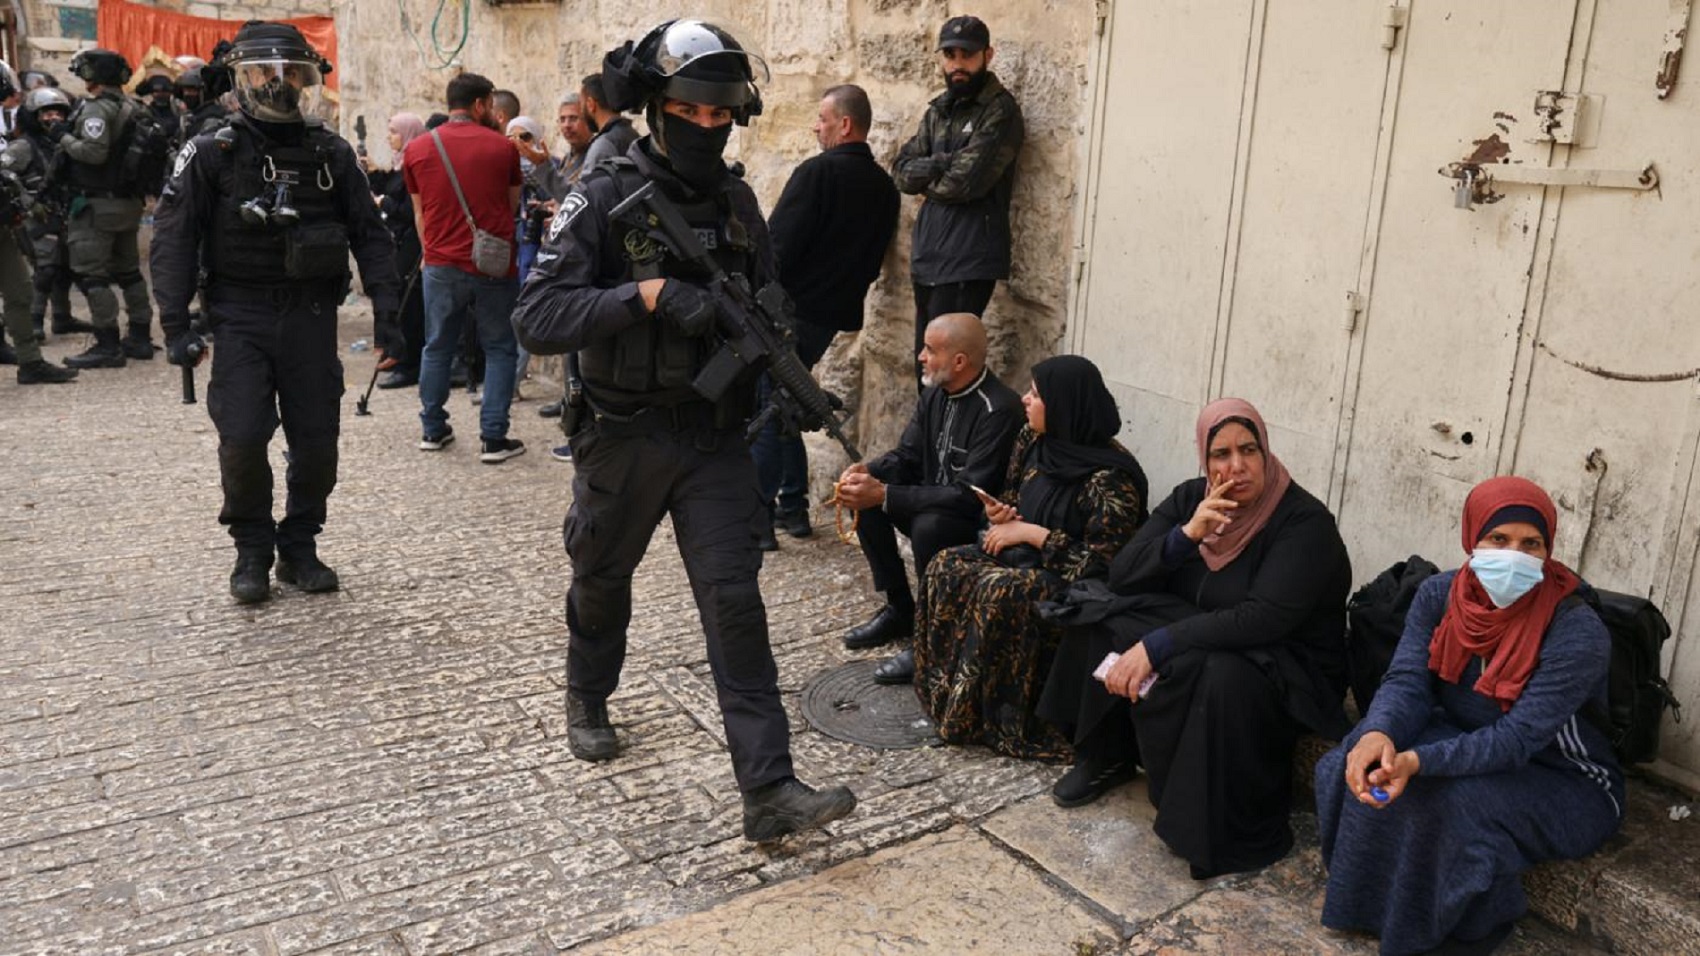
(886, 46)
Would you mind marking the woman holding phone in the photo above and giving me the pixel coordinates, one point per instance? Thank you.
(1234, 596)
(1074, 497)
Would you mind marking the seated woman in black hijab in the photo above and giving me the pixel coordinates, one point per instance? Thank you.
(1229, 610)
(1073, 498)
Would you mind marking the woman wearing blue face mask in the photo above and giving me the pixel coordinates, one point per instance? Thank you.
(1475, 760)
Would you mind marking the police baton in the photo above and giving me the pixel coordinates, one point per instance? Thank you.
(191, 356)
(362, 407)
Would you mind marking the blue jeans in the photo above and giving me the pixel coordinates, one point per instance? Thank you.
(523, 259)
(450, 295)
(782, 463)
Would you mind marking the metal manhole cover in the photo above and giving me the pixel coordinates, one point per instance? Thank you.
(844, 703)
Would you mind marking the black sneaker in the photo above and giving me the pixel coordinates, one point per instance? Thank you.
(561, 452)
(498, 450)
(590, 736)
(1090, 779)
(552, 409)
(251, 581)
(39, 372)
(437, 442)
(791, 805)
(308, 573)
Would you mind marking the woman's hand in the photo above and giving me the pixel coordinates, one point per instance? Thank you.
(1128, 672)
(1006, 533)
(1374, 762)
(1213, 514)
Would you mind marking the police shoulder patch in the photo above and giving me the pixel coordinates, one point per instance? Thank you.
(184, 158)
(94, 127)
(569, 210)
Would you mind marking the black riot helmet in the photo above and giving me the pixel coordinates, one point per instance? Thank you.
(97, 65)
(42, 99)
(277, 75)
(692, 60)
(191, 80)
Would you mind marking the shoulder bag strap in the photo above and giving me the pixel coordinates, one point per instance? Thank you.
(454, 181)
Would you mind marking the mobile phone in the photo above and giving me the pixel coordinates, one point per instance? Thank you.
(982, 492)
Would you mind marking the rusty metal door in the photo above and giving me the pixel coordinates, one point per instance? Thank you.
(1160, 188)
(1446, 303)
(1320, 76)
(1608, 415)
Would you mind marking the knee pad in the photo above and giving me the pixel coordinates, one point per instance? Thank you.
(127, 279)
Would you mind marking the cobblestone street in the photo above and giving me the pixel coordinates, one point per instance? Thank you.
(384, 771)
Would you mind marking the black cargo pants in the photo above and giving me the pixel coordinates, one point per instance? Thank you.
(627, 477)
(274, 359)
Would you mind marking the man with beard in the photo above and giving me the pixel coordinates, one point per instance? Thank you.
(465, 180)
(959, 439)
(963, 162)
(650, 445)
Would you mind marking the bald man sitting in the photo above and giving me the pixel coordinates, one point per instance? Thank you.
(960, 436)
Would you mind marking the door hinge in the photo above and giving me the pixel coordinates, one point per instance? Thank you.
(1393, 20)
(1354, 306)
(1079, 264)
(1103, 16)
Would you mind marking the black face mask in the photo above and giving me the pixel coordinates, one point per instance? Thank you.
(694, 152)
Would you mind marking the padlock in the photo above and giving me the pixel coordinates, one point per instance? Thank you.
(1463, 197)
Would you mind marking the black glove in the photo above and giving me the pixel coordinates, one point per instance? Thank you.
(185, 348)
(57, 129)
(688, 306)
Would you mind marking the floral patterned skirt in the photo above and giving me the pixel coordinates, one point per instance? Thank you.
(982, 653)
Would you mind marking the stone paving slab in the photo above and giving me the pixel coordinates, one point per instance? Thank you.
(383, 771)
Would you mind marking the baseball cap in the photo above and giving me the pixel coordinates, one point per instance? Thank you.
(965, 33)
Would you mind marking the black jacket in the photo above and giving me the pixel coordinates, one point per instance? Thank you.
(204, 177)
(1286, 591)
(952, 441)
(395, 205)
(831, 227)
(963, 161)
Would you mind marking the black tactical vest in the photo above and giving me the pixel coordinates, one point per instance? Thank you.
(241, 251)
(655, 358)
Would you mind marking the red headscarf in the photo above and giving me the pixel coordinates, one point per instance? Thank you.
(1509, 638)
(1220, 550)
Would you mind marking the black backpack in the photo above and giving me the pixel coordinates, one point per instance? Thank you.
(145, 150)
(1375, 618)
(1636, 696)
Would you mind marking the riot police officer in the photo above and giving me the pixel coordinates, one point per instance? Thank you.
(270, 207)
(15, 291)
(643, 328)
(29, 155)
(105, 211)
(205, 113)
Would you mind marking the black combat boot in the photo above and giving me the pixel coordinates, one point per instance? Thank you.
(104, 353)
(39, 372)
(251, 582)
(791, 805)
(589, 734)
(136, 344)
(67, 324)
(307, 572)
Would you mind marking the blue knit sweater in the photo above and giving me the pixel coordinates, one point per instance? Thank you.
(1543, 726)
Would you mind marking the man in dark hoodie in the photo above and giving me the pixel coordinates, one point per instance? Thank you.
(962, 160)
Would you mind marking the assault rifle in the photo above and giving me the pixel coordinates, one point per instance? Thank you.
(755, 329)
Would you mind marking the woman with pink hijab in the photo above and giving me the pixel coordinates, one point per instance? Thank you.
(1228, 610)
(400, 344)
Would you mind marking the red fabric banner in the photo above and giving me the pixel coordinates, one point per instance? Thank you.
(133, 30)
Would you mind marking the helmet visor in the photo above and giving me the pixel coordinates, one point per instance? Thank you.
(706, 62)
(276, 89)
